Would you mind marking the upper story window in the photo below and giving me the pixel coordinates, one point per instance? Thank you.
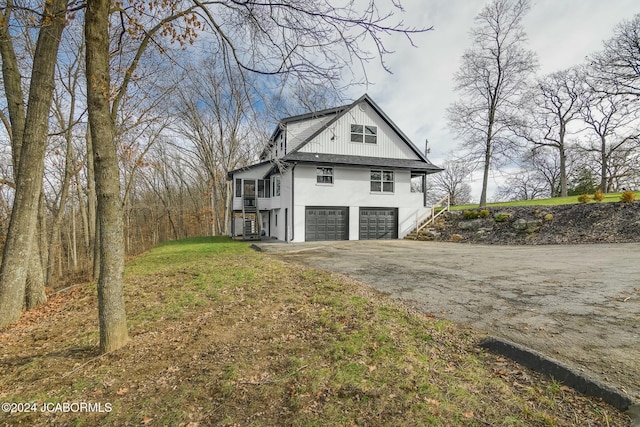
(238, 187)
(382, 181)
(363, 133)
(275, 180)
(324, 175)
(264, 188)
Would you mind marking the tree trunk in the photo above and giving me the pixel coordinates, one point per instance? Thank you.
(563, 172)
(603, 164)
(111, 308)
(35, 286)
(92, 219)
(83, 216)
(22, 226)
(485, 174)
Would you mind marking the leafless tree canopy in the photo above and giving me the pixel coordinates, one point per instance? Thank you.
(493, 73)
(618, 64)
(453, 181)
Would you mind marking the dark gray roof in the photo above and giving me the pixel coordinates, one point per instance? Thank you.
(339, 159)
(245, 168)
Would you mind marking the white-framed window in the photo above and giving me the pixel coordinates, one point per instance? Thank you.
(264, 188)
(238, 187)
(275, 180)
(324, 175)
(382, 181)
(364, 133)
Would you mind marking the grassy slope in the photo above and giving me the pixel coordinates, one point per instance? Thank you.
(223, 335)
(609, 197)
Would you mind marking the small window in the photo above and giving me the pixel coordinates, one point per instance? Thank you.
(324, 175)
(366, 134)
(238, 187)
(276, 185)
(382, 181)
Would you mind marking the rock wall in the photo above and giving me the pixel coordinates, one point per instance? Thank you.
(537, 225)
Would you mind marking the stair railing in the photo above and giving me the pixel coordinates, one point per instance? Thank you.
(430, 215)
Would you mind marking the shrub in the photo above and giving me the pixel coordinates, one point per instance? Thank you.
(584, 198)
(468, 214)
(484, 213)
(548, 217)
(627, 196)
(598, 196)
(502, 217)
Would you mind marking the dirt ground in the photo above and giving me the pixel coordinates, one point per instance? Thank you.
(579, 304)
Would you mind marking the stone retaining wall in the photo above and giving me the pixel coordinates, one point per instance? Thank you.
(536, 225)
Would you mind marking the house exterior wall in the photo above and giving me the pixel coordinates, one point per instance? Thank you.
(351, 188)
(298, 132)
(336, 139)
(281, 213)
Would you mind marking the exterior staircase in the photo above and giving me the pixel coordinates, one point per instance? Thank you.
(251, 224)
(427, 224)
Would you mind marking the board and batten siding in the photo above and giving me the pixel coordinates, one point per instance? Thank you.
(336, 139)
(298, 132)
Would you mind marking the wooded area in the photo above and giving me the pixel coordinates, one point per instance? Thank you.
(120, 136)
(122, 120)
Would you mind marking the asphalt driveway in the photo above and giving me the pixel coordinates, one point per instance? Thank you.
(579, 304)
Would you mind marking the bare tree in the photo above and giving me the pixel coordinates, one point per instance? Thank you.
(29, 134)
(522, 185)
(553, 104)
(111, 309)
(613, 120)
(493, 74)
(617, 64)
(453, 181)
(221, 128)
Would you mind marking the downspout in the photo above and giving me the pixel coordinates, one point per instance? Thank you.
(293, 199)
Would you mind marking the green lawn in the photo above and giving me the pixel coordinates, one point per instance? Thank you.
(609, 197)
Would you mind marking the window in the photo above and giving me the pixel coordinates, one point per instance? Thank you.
(263, 188)
(238, 187)
(416, 183)
(275, 179)
(324, 175)
(381, 181)
(366, 134)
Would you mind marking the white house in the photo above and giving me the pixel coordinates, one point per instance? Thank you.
(346, 173)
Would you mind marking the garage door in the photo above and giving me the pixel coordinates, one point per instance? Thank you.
(378, 223)
(323, 223)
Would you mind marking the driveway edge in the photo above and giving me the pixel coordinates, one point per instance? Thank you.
(538, 362)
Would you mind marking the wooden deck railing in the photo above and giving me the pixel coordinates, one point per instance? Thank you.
(430, 216)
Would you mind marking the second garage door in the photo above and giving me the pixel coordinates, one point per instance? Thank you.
(378, 223)
(323, 223)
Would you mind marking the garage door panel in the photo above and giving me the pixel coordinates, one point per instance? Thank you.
(326, 223)
(378, 223)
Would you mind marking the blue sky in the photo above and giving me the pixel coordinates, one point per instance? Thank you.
(416, 95)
